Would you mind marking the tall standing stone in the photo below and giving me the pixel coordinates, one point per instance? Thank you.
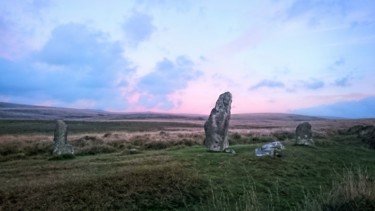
(61, 146)
(304, 134)
(216, 126)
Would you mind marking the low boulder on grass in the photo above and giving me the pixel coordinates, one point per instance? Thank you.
(272, 149)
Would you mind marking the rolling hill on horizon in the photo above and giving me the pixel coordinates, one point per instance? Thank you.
(14, 111)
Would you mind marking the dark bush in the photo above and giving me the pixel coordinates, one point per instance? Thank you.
(62, 157)
(9, 148)
(95, 149)
(87, 141)
(157, 145)
(38, 148)
(282, 135)
(260, 139)
(106, 135)
(360, 203)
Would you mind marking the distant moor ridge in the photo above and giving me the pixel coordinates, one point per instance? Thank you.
(12, 111)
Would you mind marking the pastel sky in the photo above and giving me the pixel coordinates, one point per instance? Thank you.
(313, 57)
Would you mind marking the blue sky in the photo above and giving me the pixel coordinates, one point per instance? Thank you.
(313, 57)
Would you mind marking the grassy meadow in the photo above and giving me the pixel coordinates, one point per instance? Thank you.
(162, 165)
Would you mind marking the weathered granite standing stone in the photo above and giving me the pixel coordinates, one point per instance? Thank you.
(304, 134)
(61, 147)
(216, 126)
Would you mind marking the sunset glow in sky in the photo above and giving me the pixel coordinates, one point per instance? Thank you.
(313, 57)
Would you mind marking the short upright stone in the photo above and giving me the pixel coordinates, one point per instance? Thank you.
(216, 126)
(60, 146)
(304, 134)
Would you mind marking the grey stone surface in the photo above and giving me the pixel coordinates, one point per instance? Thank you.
(271, 149)
(216, 126)
(304, 134)
(60, 144)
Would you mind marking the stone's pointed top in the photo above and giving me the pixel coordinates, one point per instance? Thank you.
(60, 123)
(224, 101)
(226, 93)
(304, 125)
(226, 96)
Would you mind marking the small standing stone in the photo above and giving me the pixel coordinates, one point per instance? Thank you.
(304, 134)
(61, 146)
(216, 126)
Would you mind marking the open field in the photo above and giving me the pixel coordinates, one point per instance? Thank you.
(160, 164)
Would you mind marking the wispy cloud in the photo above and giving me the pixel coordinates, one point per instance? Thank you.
(340, 61)
(344, 81)
(312, 84)
(268, 84)
(180, 5)
(138, 28)
(349, 109)
(317, 9)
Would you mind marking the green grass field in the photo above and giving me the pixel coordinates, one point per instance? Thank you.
(337, 174)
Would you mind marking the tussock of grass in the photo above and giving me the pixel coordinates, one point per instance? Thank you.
(225, 200)
(354, 190)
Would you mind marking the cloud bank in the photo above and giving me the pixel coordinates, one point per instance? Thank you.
(76, 63)
(347, 109)
(167, 77)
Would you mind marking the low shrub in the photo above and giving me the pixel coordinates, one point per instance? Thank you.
(9, 148)
(282, 135)
(86, 141)
(25, 148)
(95, 149)
(157, 145)
(261, 139)
(62, 157)
(38, 148)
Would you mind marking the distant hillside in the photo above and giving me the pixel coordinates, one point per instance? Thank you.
(12, 111)
(30, 112)
(274, 116)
